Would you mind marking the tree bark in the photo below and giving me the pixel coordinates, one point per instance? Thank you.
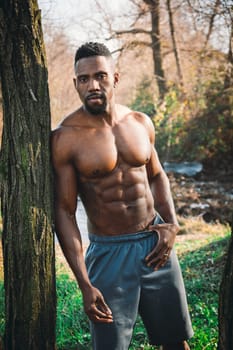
(174, 45)
(211, 22)
(228, 81)
(156, 46)
(28, 244)
(226, 302)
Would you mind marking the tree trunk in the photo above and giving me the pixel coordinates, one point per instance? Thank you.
(226, 302)
(211, 22)
(228, 81)
(172, 31)
(156, 47)
(28, 245)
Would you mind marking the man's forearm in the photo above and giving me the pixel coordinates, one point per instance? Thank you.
(70, 241)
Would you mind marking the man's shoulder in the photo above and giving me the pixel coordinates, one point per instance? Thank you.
(129, 113)
(141, 117)
(64, 131)
(73, 119)
(68, 125)
(138, 116)
(144, 120)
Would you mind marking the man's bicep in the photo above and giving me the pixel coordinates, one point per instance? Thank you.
(154, 166)
(65, 178)
(66, 191)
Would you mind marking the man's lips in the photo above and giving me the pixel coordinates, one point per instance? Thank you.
(95, 97)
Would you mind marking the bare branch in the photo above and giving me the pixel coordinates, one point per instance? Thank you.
(132, 45)
(133, 31)
(211, 23)
(106, 16)
(174, 44)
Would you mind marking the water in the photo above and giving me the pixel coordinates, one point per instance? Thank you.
(184, 168)
(82, 222)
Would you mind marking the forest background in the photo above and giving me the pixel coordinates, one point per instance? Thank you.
(175, 65)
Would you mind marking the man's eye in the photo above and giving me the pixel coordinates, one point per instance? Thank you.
(102, 76)
(82, 80)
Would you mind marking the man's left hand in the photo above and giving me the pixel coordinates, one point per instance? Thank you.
(166, 238)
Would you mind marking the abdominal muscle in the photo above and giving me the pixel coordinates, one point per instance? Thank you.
(118, 203)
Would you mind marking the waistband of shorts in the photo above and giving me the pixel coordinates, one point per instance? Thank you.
(129, 237)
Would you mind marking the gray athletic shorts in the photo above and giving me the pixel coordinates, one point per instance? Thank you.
(116, 266)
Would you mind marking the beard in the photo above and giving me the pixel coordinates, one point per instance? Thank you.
(96, 108)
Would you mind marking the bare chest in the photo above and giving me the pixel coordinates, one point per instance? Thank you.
(98, 152)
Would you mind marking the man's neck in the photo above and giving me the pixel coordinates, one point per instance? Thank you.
(108, 117)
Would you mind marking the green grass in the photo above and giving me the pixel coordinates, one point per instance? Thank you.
(202, 261)
(202, 271)
(72, 324)
(2, 316)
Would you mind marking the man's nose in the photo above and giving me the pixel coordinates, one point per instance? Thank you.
(93, 85)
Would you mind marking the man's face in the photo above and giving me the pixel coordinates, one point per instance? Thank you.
(95, 81)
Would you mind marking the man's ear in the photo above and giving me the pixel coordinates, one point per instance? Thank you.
(116, 79)
(75, 83)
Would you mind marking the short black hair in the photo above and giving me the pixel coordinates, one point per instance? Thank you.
(91, 49)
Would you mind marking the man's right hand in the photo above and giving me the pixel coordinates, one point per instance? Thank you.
(95, 307)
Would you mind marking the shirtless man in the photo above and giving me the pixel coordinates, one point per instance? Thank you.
(104, 152)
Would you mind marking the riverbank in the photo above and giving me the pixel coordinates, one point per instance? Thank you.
(209, 195)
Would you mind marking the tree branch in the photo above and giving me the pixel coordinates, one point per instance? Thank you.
(133, 31)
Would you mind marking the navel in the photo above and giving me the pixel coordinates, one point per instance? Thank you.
(96, 172)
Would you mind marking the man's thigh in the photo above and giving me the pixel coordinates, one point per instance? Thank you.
(163, 305)
(114, 270)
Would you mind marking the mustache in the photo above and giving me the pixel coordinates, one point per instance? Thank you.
(95, 95)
